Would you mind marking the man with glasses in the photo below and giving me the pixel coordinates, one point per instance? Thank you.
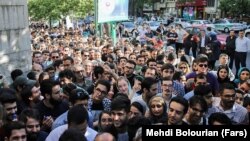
(167, 90)
(54, 55)
(242, 47)
(168, 71)
(202, 67)
(237, 113)
(98, 101)
(129, 71)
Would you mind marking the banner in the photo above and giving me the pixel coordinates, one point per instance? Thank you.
(112, 10)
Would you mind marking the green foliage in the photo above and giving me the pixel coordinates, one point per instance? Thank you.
(56, 9)
(235, 7)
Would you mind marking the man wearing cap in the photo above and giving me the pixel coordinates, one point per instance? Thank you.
(19, 84)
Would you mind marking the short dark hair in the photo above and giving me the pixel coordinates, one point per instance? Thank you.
(47, 85)
(224, 86)
(74, 116)
(202, 90)
(182, 101)
(68, 74)
(168, 66)
(148, 82)
(219, 117)
(57, 63)
(15, 125)
(200, 76)
(120, 103)
(70, 59)
(7, 95)
(120, 58)
(150, 60)
(103, 82)
(98, 70)
(131, 62)
(72, 134)
(202, 58)
(198, 100)
(78, 94)
(29, 113)
(15, 73)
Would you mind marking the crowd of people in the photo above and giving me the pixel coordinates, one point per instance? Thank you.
(86, 88)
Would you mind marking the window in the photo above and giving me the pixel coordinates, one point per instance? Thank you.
(210, 3)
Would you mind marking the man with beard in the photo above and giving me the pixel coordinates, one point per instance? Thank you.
(237, 113)
(9, 101)
(52, 106)
(30, 117)
(178, 107)
(129, 71)
(119, 113)
(149, 89)
(196, 110)
(167, 90)
(81, 80)
(31, 95)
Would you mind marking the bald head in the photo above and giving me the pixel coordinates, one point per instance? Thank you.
(104, 137)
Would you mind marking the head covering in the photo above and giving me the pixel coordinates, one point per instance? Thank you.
(23, 81)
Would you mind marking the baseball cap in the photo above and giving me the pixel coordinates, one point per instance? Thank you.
(23, 81)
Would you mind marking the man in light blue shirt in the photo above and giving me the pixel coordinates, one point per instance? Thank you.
(242, 47)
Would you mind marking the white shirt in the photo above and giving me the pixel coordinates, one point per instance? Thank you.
(203, 41)
(242, 44)
(56, 133)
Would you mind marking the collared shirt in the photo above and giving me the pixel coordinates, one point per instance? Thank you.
(62, 120)
(238, 114)
(203, 41)
(178, 88)
(242, 44)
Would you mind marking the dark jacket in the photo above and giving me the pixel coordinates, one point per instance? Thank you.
(230, 44)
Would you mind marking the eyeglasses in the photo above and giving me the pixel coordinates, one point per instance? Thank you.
(100, 91)
(168, 85)
(55, 57)
(86, 55)
(80, 71)
(203, 65)
(183, 67)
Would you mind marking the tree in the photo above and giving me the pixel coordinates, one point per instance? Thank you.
(234, 7)
(56, 9)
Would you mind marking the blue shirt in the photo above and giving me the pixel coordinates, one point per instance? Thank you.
(62, 120)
